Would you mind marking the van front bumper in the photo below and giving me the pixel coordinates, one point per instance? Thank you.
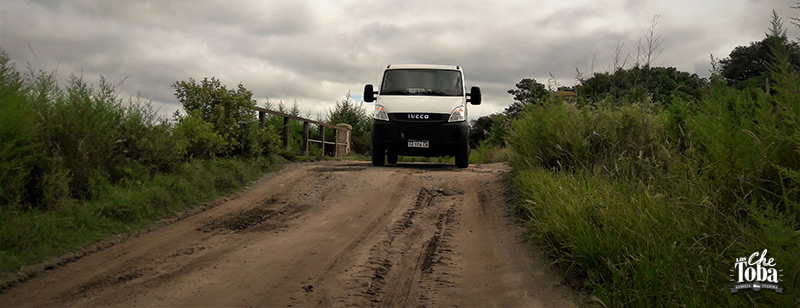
(444, 138)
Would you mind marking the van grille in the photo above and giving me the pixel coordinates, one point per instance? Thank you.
(418, 117)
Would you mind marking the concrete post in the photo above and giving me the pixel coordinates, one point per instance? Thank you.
(343, 139)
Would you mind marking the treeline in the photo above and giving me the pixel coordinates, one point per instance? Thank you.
(646, 183)
(746, 67)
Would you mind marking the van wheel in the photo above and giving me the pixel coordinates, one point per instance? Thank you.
(391, 157)
(378, 155)
(462, 157)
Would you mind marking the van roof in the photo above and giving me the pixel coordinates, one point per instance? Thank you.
(423, 66)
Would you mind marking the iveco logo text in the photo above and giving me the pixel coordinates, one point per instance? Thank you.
(418, 116)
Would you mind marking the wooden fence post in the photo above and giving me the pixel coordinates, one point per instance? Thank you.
(322, 129)
(305, 138)
(341, 138)
(336, 142)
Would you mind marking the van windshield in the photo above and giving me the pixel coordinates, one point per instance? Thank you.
(428, 82)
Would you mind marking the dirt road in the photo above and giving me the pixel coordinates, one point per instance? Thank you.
(330, 234)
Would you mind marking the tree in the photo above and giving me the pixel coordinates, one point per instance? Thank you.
(350, 112)
(228, 111)
(638, 83)
(617, 61)
(528, 91)
(295, 110)
(749, 65)
(490, 129)
(648, 48)
(479, 130)
(775, 26)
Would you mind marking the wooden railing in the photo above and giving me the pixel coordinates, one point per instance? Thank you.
(341, 137)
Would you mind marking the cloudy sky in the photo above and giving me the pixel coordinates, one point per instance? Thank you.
(314, 52)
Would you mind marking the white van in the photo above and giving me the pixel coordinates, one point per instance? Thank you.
(421, 110)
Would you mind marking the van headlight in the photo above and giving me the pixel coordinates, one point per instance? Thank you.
(380, 113)
(458, 114)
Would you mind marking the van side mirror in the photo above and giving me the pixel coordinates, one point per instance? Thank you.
(369, 94)
(474, 96)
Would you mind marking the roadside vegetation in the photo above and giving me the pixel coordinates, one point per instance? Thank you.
(645, 183)
(345, 110)
(78, 164)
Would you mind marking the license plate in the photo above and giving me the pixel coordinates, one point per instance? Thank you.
(418, 144)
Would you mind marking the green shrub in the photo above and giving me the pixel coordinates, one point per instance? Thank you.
(82, 128)
(560, 135)
(227, 110)
(59, 144)
(35, 235)
(20, 148)
(147, 140)
(197, 138)
(259, 142)
(486, 153)
(77, 164)
(649, 206)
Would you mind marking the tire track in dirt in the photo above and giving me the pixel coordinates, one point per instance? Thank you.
(325, 234)
(405, 263)
(405, 240)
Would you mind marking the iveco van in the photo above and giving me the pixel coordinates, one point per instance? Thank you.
(421, 110)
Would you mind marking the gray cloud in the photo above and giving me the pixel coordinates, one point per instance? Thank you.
(315, 52)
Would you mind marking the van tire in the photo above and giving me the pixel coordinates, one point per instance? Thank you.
(391, 157)
(462, 157)
(378, 156)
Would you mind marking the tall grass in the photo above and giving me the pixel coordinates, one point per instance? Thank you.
(487, 153)
(650, 206)
(77, 163)
(34, 235)
(58, 143)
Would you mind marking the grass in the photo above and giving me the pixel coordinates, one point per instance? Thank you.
(650, 206)
(77, 164)
(629, 244)
(486, 154)
(28, 237)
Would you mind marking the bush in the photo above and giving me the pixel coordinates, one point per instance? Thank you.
(619, 140)
(197, 138)
(60, 144)
(259, 142)
(228, 111)
(486, 153)
(20, 147)
(650, 205)
(77, 164)
(35, 235)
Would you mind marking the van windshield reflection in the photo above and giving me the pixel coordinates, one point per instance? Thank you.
(425, 82)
